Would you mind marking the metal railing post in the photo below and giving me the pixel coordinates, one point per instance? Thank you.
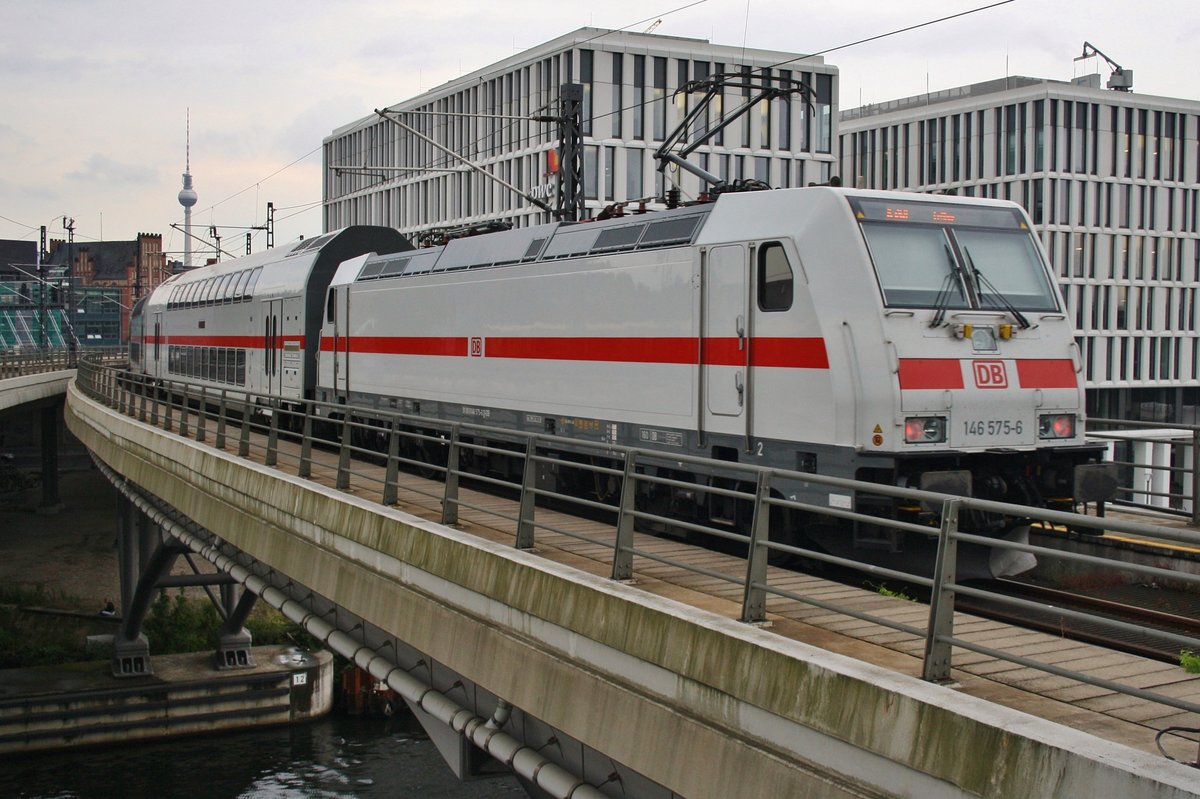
(244, 433)
(1195, 496)
(183, 410)
(305, 468)
(754, 600)
(450, 495)
(168, 406)
(392, 474)
(142, 398)
(201, 415)
(222, 416)
(936, 666)
(154, 389)
(272, 455)
(343, 472)
(121, 397)
(525, 515)
(623, 545)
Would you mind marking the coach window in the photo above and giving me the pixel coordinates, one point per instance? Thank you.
(774, 278)
(239, 286)
(253, 282)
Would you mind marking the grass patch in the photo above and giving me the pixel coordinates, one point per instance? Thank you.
(36, 595)
(883, 590)
(1190, 661)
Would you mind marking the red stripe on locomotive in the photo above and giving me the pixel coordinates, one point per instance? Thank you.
(930, 373)
(1058, 373)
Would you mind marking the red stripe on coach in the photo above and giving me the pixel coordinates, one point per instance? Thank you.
(930, 373)
(243, 342)
(1058, 373)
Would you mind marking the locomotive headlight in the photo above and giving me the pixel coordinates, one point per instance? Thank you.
(925, 430)
(1056, 425)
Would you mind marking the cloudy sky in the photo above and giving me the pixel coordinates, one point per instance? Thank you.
(95, 92)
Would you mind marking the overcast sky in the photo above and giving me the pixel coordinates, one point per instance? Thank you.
(94, 91)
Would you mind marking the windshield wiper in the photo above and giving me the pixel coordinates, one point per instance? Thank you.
(942, 301)
(993, 295)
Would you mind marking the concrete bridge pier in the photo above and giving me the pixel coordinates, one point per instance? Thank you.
(147, 554)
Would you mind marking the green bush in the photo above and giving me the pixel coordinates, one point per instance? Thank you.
(175, 626)
(1190, 661)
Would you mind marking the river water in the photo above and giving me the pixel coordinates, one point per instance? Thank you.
(332, 757)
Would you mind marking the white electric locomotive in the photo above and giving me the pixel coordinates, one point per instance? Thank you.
(894, 338)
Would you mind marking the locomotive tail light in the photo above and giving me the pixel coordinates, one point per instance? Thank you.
(1056, 425)
(925, 430)
(962, 331)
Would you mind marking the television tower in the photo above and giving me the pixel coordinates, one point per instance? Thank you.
(187, 198)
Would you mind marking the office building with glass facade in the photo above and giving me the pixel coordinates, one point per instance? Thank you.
(376, 172)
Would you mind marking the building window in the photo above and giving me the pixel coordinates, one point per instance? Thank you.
(586, 58)
(618, 76)
(658, 97)
(639, 97)
(745, 78)
(681, 97)
(610, 157)
(764, 115)
(634, 186)
(591, 173)
(823, 110)
(785, 113)
(1010, 140)
(716, 108)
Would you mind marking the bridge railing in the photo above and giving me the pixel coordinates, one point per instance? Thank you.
(536, 470)
(1159, 464)
(15, 363)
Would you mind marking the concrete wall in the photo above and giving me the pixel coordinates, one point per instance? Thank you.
(56, 707)
(697, 702)
(16, 391)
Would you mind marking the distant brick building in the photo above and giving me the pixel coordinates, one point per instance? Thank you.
(129, 269)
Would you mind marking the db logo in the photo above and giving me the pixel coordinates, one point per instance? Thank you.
(990, 374)
(476, 347)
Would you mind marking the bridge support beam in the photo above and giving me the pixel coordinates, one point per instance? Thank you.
(234, 640)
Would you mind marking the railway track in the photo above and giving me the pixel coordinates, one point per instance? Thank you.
(1174, 612)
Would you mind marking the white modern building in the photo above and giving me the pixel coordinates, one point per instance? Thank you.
(1111, 180)
(379, 173)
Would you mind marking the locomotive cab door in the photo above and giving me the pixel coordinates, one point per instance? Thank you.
(725, 333)
(340, 305)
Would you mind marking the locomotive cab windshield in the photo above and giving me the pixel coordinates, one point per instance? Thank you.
(955, 258)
